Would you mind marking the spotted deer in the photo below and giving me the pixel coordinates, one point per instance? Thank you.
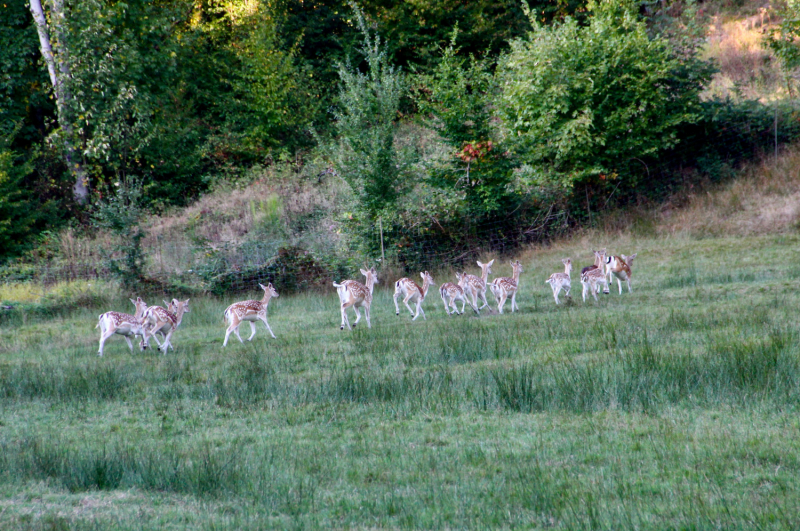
(411, 291)
(476, 286)
(451, 293)
(599, 263)
(160, 320)
(357, 295)
(502, 287)
(592, 279)
(559, 281)
(619, 267)
(250, 311)
(124, 324)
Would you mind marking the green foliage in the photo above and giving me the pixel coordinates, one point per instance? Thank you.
(17, 212)
(581, 101)
(456, 99)
(784, 40)
(365, 154)
(121, 214)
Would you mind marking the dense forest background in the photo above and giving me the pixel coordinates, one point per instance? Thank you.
(492, 121)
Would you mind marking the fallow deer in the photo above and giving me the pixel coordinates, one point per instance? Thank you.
(599, 263)
(477, 285)
(451, 293)
(250, 311)
(124, 324)
(357, 295)
(592, 279)
(559, 281)
(411, 291)
(619, 267)
(502, 287)
(160, 320)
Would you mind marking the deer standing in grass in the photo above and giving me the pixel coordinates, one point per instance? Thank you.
(411, 291)
(250, 311)
(476, 286)
(619, 267)
(158, 320)
(455, 292)
(357, 295)
(592, 279)
(599, 263)
(124, 324)
(502, 287)
(559, 281)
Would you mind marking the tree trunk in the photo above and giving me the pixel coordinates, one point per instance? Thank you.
(57, 76)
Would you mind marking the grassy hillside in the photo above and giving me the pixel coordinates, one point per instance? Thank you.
(674, 406)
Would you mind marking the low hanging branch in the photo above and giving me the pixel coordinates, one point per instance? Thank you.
(57, 77)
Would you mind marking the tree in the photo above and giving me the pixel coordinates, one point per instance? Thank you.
(59, 69)
(17, 212)
(455, 99)
(583, 101)
(365, 154)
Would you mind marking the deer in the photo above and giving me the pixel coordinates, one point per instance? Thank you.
(357, 295)
(160, 320)
(476, 286)
(250, 311)
(411, 291)
(620, 267)
(593, 278)
(502, 287)
(455, 292)
(124, 324)
(559, 281)
(599, 262)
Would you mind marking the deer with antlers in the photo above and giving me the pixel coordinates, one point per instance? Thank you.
(250, 311)
(559, 281)
(158, 320)
(357, 295)
(124, 324)
(410, 291)
(619, 267)
(593, 278)
(451, 293)
(476, 286)
(502, 287)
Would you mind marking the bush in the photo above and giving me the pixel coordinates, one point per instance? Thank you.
(584, 101)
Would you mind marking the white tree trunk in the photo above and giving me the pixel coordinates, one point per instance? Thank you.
(80, 189)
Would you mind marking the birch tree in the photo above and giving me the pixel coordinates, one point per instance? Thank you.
(58, 69)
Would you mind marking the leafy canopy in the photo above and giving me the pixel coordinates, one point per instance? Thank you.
(580, 101)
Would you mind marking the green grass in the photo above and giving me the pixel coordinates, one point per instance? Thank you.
(674, 407)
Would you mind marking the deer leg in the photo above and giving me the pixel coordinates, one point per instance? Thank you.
(105, 335)
(166, 344)
(629, 285)
(358, 315)
(366, 314)
(405, 301)
(252, 330)
(396, 307)
(264, 318)
(420, 310)
(128, 341)
(227, 334)
(345, 320)
(482, 296)
(514, 306)
(502, 301)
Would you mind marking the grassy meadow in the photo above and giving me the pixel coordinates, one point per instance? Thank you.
(672, 407)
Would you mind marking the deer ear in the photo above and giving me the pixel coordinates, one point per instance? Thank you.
(261, 285)
(491, 262)
(480, 264)
(364, 272)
